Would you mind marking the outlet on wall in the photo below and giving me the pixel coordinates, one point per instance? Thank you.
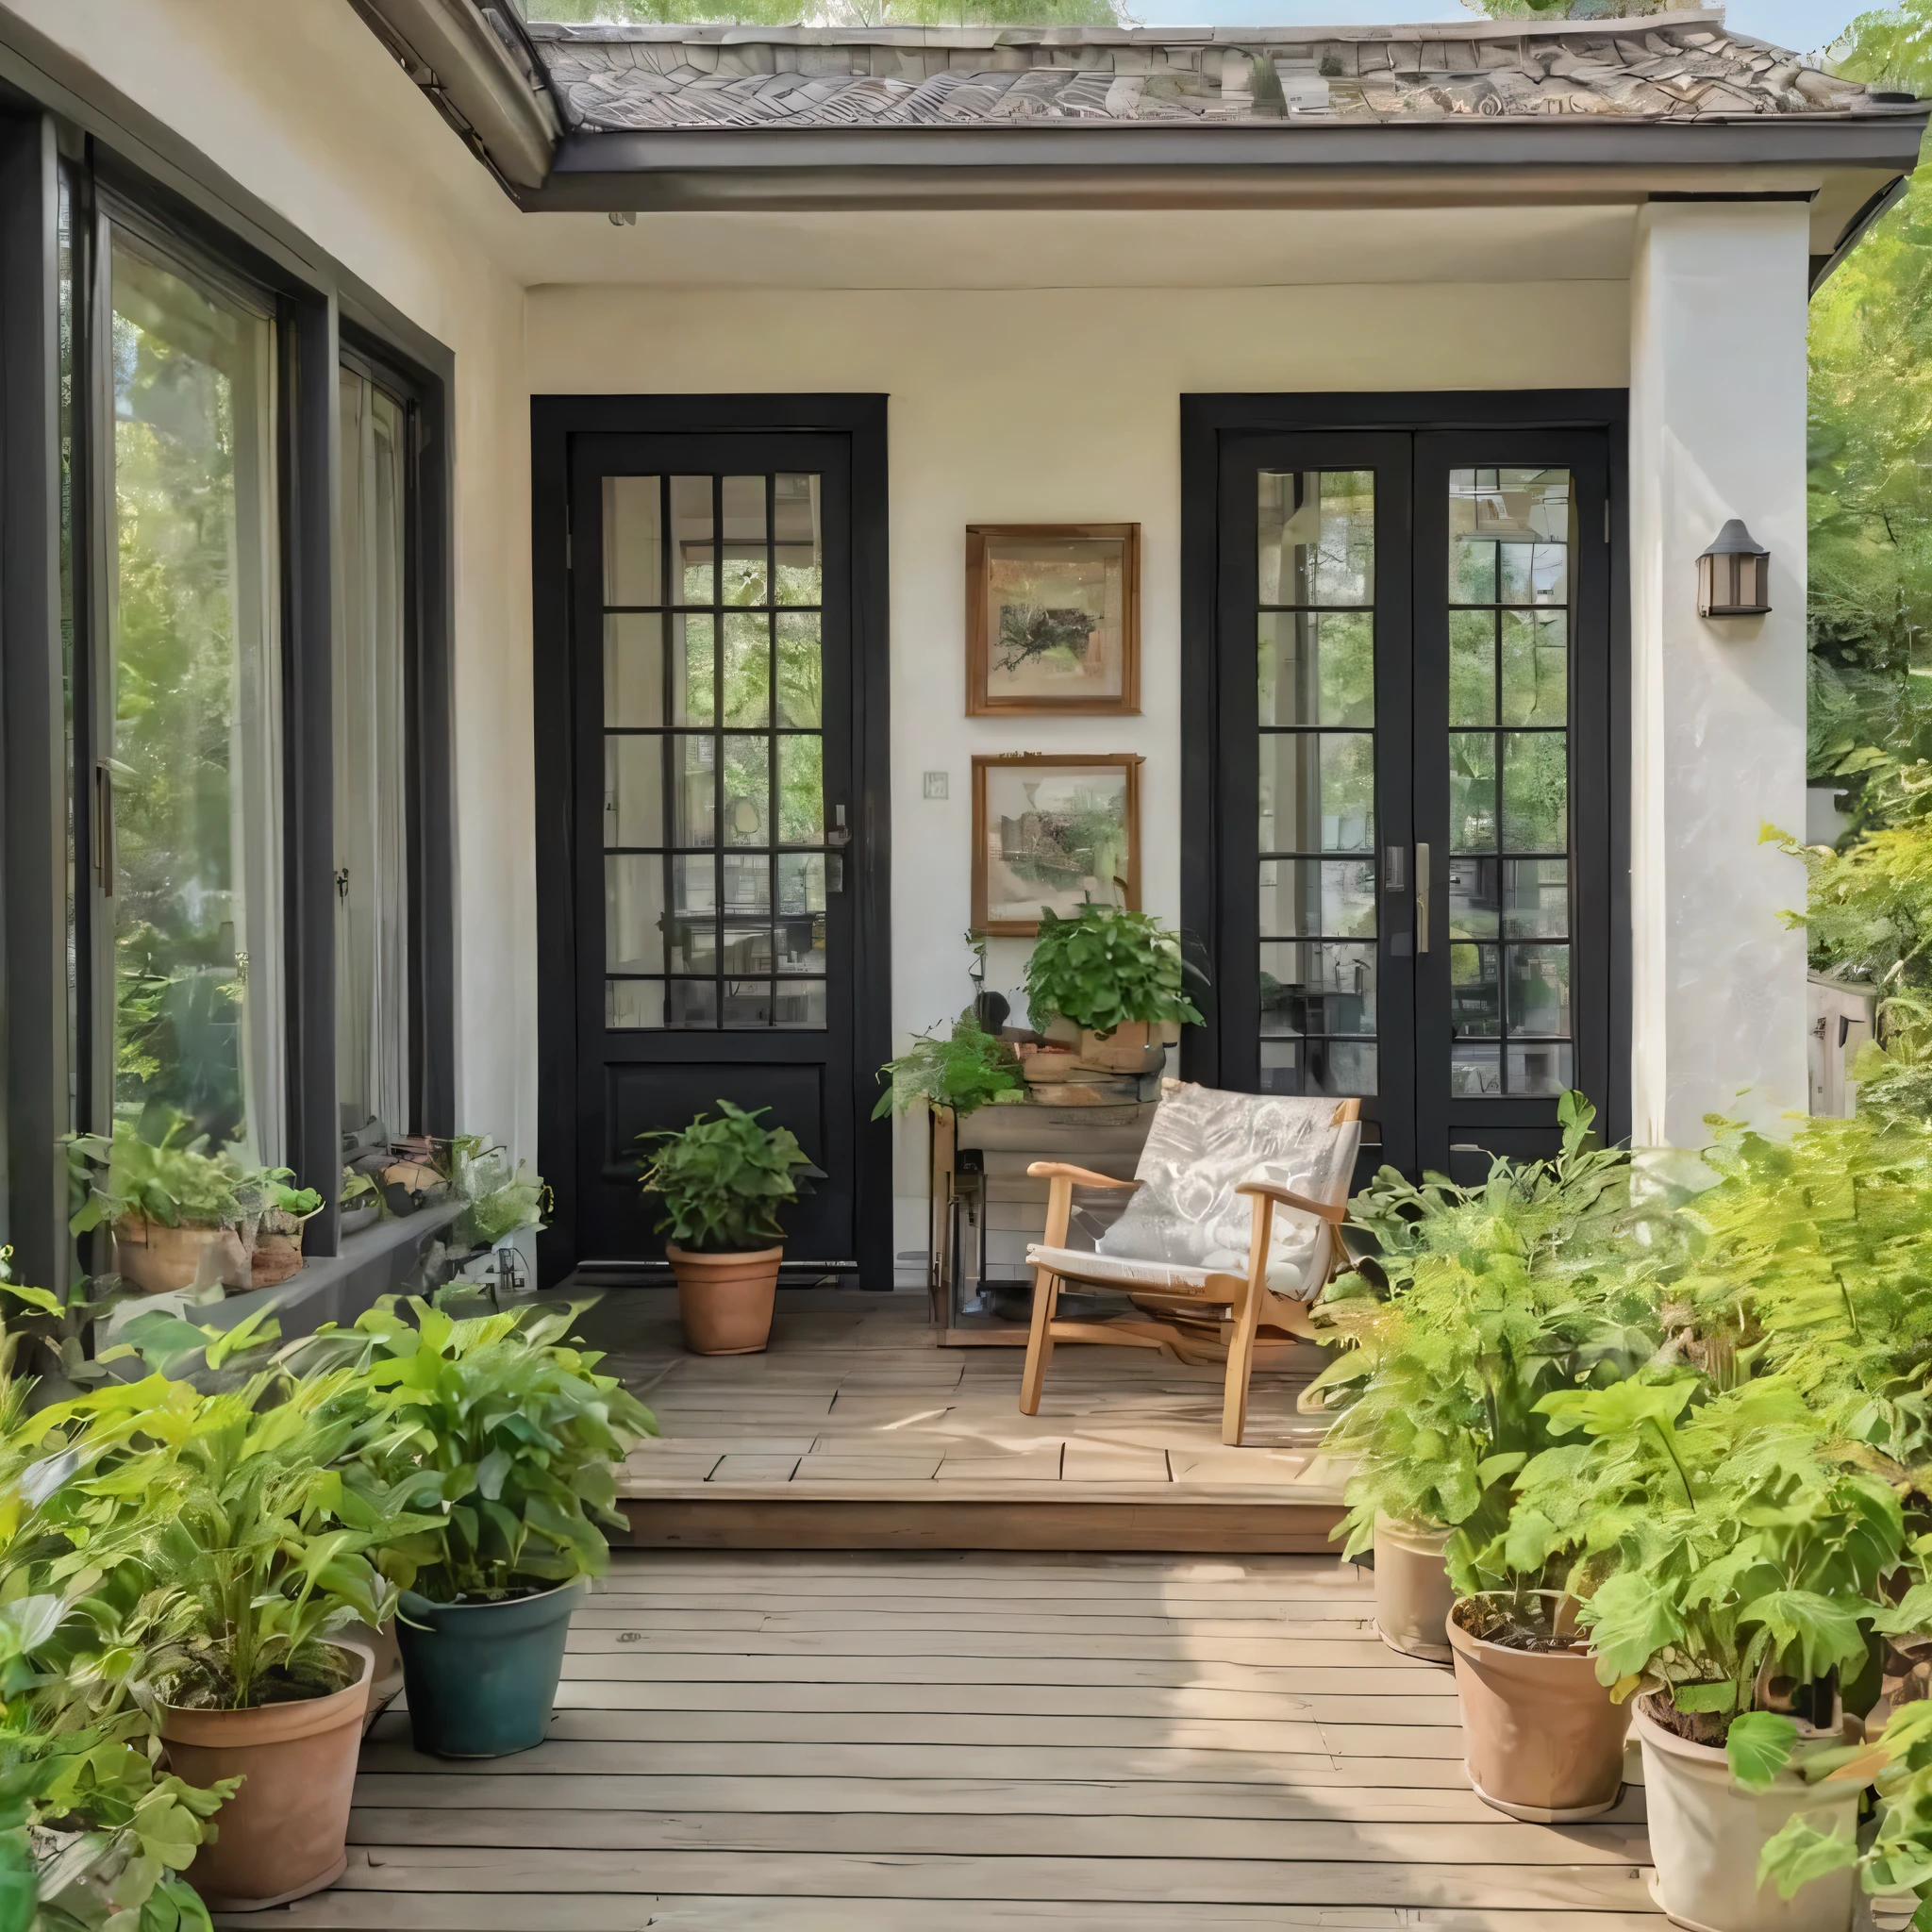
(935, 784)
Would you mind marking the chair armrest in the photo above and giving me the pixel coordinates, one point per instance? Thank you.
(1058, 1170)
(1328, 1211)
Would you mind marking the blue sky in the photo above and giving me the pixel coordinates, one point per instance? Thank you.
(1802, 24)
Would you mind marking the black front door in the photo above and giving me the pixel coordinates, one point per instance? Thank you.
(726, 829)
(1408, 808)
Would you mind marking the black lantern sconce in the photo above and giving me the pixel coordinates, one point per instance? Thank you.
(1734, 575)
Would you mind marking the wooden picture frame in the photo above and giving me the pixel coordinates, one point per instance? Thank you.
(1069, 781)
(1027, 657)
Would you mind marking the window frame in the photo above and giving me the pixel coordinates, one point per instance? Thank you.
(122, 168)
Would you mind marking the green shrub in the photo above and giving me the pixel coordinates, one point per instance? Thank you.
(1104, 967)
(173, 1180)
(723, 1181)
(497, 1435)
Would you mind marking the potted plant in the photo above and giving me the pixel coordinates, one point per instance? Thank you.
(359, 1204)
(172, 1206)
(274, 1213)
(254, 1550)
(1494, 1298)
(1729, 1554)
(722, 1182)
(967, 1070)
(1117, 978)
(503, 1440)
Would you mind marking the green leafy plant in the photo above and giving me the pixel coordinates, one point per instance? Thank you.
(173, 1180)
(1107, 966)
(966, 1069)
(357, 1190)
(1726, 1548)
(497, 1199)
(723, 1181)
(255, 1547)
(499, 1437)
(1501, 1295)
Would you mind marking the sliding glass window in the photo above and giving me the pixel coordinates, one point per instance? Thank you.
(372, 734)
(188, 807)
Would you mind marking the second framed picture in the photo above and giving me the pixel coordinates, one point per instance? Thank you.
(1053, 832)
(1053, 620)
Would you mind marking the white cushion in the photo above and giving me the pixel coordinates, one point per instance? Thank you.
(1169, 1278)
(1203, 1143)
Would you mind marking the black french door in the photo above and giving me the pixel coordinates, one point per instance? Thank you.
(724, 837)
(1411, 891)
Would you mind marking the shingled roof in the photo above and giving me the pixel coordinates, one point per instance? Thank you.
(1667, 67)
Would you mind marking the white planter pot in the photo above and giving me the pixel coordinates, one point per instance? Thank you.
(1412, 1593)
(1707, 1832)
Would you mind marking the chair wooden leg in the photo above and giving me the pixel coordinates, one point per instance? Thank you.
(1241, 1347)
(1046, 1294)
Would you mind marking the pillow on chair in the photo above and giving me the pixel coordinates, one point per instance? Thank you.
(1202, 1145)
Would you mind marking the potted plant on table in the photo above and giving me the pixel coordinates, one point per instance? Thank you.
(252, 1552)
(502, 1441)
(274, 1213)
(172, 1205)
(967, 1070)
(1728, 1552)
(1115, 982)
(722, 1181)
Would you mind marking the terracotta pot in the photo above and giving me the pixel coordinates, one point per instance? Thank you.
(1132, 1047)
(725, 1301)
(386, 1668)
(1412, 1592)
(1706, 1833)
(283, 1835)
(159, 1259)
(276, 1254)
(1544, 1740)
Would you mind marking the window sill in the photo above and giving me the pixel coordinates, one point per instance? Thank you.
(338, 1288)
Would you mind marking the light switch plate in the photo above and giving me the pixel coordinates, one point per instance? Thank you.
(935, 784)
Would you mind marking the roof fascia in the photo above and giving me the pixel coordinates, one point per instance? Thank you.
(1074, 167)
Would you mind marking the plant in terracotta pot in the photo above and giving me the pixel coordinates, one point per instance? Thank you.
(503, 1440)
(273, 1214)
(254, 1552)
(1118, 980)
(172, 1205)
(1728, 1553)
(94, 1831)
(1498, 1295)
(722, 1181)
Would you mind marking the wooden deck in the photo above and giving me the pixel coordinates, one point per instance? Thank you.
(855, 1430)
(935, 1742)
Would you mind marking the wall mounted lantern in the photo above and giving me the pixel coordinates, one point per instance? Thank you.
(1734, 575)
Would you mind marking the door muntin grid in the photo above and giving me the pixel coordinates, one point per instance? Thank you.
(715, 855)
(1315, 676)
(1511, 594)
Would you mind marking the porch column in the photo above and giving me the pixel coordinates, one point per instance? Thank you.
(1717, 430)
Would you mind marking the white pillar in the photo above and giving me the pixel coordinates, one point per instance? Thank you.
(1717, 430)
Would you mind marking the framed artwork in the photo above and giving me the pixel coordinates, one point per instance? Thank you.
(1053, 620)
(1055, 832)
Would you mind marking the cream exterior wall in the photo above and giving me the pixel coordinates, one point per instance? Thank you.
(1717, 430)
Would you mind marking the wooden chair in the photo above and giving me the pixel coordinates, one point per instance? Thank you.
(1289, 1163)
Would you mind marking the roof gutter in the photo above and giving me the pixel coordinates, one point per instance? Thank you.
(478, 69)
(1887, 197)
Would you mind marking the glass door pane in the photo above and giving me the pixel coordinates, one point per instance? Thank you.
(369, 698)
(1512, 535)
(193, 759)
(1315, 685)
(714, 833)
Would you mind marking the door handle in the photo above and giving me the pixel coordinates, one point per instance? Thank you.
(104, 828)
(838, 842)
(1421, 898)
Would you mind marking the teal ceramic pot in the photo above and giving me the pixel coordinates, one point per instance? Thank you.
(480, 1678)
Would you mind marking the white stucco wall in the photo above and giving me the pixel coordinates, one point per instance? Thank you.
(300, 103)
(1047, 406)
(1717, 406)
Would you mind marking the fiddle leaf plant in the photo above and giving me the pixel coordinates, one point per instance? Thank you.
(498, 1438)
(723, 1181)
(1104, 967)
